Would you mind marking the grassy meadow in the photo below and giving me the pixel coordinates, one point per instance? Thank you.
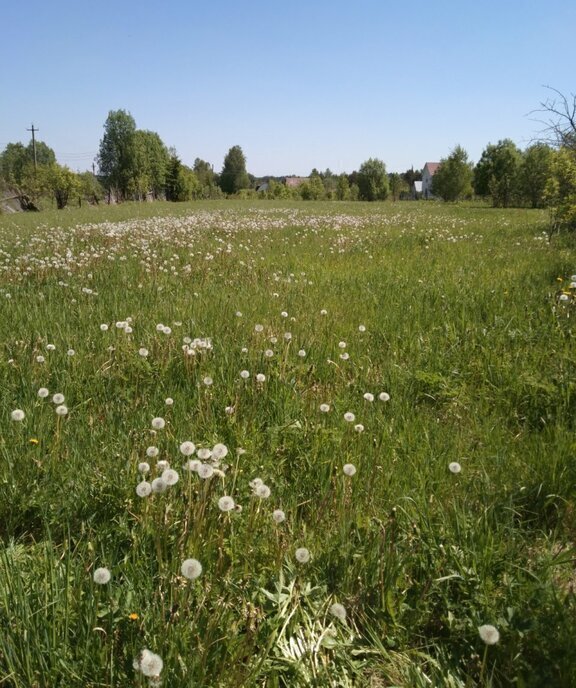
(384, 393)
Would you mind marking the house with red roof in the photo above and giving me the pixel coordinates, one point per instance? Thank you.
(427, 173)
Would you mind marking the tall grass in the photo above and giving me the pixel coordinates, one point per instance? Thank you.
(454, 312)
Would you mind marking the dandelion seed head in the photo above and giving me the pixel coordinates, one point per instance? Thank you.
(158, 423)
(302, 555)
(152, 452)
(384, 396)
(489, 634)
(204, 453)
(338, 611)
(143, 467)
(324, 408)
(169, 401)
(278, 516)
(368, 396)
(143, 351)
(454, 467)
(342, 345)
(58, 398)
(349, 417)
(187, 448)
(149, 664)
(170, 476)
(361, 328)
(244, 374)
(260, 377)
(143, 489)
(50, 347)
(159, 485)
(349, 469)
(43, 392)
(104, 327)
(102, 575)
(219, 451)
(40, 359)
(17, 415)
(268, 353)
(61, 410)
(70, 352)
(205, 471)
(226, 503)
(191, 569)
(162, 465)
(208, 381)
(192, 465)
(359, 427)
(262, 491)
(258, 328)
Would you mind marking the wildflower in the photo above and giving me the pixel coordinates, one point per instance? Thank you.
(192, 465)
(324, 408)
(149, 664)
(143, 352)
(133, 616)
(17, 415)
(43, 392)
(104, 327)
(262, 491)
(361, 328)
(143, 467)
(338, 611)
(159, 485)
(162, 465)
(191, 569)
(170, 476)
(302, 353)
(384, 396)
(258, 328)
(187, 448)
(207, 381)
(58, 398)
(238, 314)
(302, 555)
(50, 347)
(102, 576)
(152, 452)
(349, 417)
(244, 374)
(70, 352)
(33, 440)
(204, 453)
(219, 451)
(349, 469)
(323, 312)
(260, 377)
(226, 503)
(342, 345)
(345, 356)
(160, 327)
(61, 410)
(564, 297)
(278, 516)
(287, 336)
(368, 396)
(167, 330)
(359, 427)
(454, 467)
(489, 634)
(40, 359)
(268, 353)
(205, 471)
(143, 489)
(284, 314)
(158, 423)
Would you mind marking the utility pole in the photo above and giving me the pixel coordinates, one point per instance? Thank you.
(33, 143)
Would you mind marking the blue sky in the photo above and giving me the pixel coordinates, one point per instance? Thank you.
(297, 84)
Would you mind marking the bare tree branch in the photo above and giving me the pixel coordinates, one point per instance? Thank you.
(560, 120)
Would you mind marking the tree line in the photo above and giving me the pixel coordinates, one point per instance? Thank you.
(134, 164)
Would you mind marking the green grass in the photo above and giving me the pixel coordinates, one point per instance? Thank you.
(464, 330)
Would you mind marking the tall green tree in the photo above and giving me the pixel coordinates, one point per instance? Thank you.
(61, 183)
(181, 182)
(16, 158)
(151, 163)
(453, 178)
(234, 176)
(560, 191)
(397, 184)
(497, 173)
(372, 180)
(117, 155)
(534, 174)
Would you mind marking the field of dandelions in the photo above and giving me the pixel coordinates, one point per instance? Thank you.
(287, 445)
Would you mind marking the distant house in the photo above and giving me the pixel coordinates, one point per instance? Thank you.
(417, 190)
(427, 173)
(293, 182)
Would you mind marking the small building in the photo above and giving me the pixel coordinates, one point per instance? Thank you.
(293, 182)
(417, 190)
(427, 173)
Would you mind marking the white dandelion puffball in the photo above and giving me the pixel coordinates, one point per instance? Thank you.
(143, 352)
(170, 476)
(143, 489)
(226, 503)
(43, 392)
(50, 347)
(160, 327)
(169, 401)
(324, 408)
(61, 410)
(342, 345)
(187, 448)
(151, 452)
(284, 314)
(302, 555)
(368, 396)
(238, 314)
(40, 359)
(454, 467)
(70, 352)
(323, 312)
(102, 576)
(159, 486)
(192, 465)
(143, 467)
(229, 410)
(260, 377)
(205, 471)
(58, 398)
(273, 339)
(384, 396)
(258, 328)
(302, 353)
(158, 423)
(191, 569)
(162, 465)
(268, 353)
(262, 491)
(204, 453)
(149, 664)
(104, 327)
(208, 381)
(17, 415)
(244, 374)
(287, 336)
(349, 469)
(219, 451)
(359, 427)
(489, 634)
(338, 611)
(345, 356)
(361, 328)
(278, 516)
(349, 417)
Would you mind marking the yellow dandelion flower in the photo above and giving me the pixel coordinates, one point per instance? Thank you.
(33, 440)
(133, 616)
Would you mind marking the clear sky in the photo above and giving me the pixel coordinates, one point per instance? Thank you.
(298, 83)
